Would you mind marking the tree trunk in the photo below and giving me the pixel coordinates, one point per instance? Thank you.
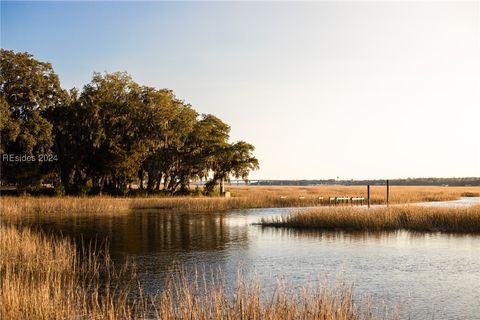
(140, 176)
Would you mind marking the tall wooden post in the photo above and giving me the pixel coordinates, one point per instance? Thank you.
(368, 195)
(388, 193)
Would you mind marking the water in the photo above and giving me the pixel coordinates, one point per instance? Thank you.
(423, 274)
(462, 202)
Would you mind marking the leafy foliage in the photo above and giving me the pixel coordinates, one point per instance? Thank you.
(28, 88)
(113, 133)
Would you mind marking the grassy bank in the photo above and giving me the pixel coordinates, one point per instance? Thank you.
(243, 197)
(413, 218)
(17, 206)
(43, 278)
(398, 194)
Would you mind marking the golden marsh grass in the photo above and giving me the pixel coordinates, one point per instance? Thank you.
(399, 217)
(398, 194)
(42, 278)
(243, 197)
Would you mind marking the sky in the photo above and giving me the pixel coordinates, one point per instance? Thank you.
(355, 90)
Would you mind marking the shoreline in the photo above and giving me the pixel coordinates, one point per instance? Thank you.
(242, 198)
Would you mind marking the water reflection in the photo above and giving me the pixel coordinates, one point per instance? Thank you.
(359, 236)
(143, 233)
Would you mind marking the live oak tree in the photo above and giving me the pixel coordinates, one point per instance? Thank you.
(176, 120)
(72, 143)
(208, 137)
(28, 89)
(114, 137)
(110, 134)
(235, 160)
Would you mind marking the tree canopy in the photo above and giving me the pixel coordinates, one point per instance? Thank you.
(28, 88)
(110, 135)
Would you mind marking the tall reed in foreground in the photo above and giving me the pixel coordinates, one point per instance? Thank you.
(42, 278)
(185, 298)
(414, 218)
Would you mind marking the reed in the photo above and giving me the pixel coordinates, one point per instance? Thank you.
(243, 197)
(398, 194)
(40, 206)
(402, 217)
(185, 298)
(43, 278)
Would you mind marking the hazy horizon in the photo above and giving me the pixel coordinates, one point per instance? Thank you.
(355, 90)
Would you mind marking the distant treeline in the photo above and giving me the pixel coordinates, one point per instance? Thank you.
(112, 133)
(473, 181)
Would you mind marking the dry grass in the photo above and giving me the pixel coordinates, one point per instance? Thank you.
(243, 197)
(17, 206)
(398, 194)
(13, 206)
(402, 217)
(41, 278)
(199, 299)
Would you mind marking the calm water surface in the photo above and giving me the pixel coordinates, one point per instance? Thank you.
(422, 274)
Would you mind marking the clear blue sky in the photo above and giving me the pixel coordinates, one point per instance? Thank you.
(326, 89)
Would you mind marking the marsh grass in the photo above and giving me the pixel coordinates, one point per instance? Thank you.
(67, 206)
(398, 194)
(243, 197)
(200, 298)
(401, 217)
(44, 278)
